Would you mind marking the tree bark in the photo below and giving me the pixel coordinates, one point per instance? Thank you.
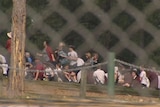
(16, 76)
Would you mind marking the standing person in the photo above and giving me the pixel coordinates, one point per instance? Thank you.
(61, 55)
(8, 43)
(8, 47)
(72, 56)
(47, 53)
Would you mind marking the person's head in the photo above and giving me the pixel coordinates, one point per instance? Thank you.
(27, 54)
(88, 55)
(58, 65)
(45, 43)
(37, 59)
(66, 67)
(95, 56)
(134, 72)
(71, 48)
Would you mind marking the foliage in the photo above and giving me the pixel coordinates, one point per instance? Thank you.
(89, 20)
(71, 5)
(155, 56)
(38, 38)
(126, 55)
(140, 4)
(142, 38)
(55, 21)
(108, 39)
(154, 18)
(124, 20)
(38, 5)
(5, 4)
(73, 38)
(106, 5)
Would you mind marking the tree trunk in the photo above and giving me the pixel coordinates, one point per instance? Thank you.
(16, 76)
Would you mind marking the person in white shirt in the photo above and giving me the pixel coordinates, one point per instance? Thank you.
(99, 76)
(143, 78)
(3, 65)
(72, 56)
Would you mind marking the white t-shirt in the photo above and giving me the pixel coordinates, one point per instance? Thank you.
(49, 71)
(73, 54)
(3, 64)
(99, 76)
(144, 78)
(80, 62)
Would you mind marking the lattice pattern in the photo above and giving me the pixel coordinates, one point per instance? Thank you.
(88, 35)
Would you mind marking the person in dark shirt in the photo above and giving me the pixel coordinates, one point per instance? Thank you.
(135, 82)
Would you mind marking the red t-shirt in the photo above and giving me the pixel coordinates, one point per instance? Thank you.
(49, 52)
(40, 66)
(8, 45)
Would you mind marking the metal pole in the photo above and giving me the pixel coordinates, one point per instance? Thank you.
(111, 64)
(83, 83)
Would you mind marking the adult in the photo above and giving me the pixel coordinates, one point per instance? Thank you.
(72, 56)
(47, 53)
(99, 76)
(143, 77)
(48, 73)
(8, 47)
(61, 55)
(135, 82)
(153, 78)
(89, 60)
(8, 43)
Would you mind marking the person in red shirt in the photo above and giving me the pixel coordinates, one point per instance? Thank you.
(39, 67)
(8, 44)
(47, 53)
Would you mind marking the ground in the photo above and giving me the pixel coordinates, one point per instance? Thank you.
(44, 93)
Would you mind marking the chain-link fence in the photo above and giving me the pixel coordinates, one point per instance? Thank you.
(127, 27)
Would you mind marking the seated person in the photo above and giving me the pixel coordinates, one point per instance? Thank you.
(39, 67)
(70, 75)
(48, 73)
(135, 82)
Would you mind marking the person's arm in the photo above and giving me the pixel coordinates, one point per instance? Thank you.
(53, 58)
(73, 58)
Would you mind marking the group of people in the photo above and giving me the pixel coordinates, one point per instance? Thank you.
(64, 65)
(58, 65)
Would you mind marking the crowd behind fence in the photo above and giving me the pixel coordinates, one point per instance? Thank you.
(97, 74)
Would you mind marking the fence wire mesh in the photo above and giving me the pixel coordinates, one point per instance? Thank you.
(57, 21)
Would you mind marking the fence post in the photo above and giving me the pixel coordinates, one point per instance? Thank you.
(83, 83)
(111, 64)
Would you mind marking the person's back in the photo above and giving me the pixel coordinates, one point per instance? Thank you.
(144, 79)
(99, 76)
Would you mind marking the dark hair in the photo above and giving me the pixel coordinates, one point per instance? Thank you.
(135, 71)
(71, 46)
